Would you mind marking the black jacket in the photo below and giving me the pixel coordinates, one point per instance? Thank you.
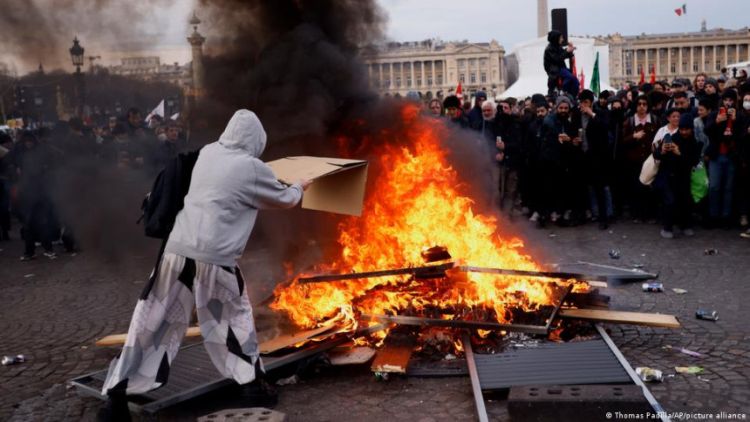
(555, 55)
(509, 128)
(676, 168)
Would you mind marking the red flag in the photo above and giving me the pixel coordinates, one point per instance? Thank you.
(643, 78)
(460, 93)
(682, 10)
(573, 65)
(583, 82)
(652, 79)
(678, 11)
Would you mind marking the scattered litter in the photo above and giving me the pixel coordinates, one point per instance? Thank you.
(552, 235)
(649, 374)
(638, 266)
(614, 254)
(653, 287)
(288, 380)
(711, 252)
(28, 276)
(450, 357)
(679, 291)
(685, 351)
(12, 360)
(702, 379)
(643, 254)
(707, 314)
(84, 347)
(381, 376)
(688, 369)
(611, 231)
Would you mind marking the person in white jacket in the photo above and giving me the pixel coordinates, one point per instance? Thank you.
(229, 185)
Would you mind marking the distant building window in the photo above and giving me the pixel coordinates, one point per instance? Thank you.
(673, 68)
(473, 77)
(483, 63)
(472, 62)
(483, 77)
(718, 64)
(462, 78)
(408, 81)
(419, 82)
(461, 63)
(695, 67)
(440, 80)
(429, 81)
(398, 81)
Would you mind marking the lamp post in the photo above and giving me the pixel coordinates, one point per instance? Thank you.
(76, 56)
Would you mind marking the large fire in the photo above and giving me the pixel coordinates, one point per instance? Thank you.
(418, 201)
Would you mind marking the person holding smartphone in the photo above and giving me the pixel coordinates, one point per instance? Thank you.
(721, 155)
(677, 151)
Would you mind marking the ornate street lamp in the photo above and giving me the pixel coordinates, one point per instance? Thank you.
(76, 56)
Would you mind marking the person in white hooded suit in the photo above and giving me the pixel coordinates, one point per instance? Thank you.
(229, 185)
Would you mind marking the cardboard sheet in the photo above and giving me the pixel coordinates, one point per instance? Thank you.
(338, 187)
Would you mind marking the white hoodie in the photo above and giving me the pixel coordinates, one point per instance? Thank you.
(228, 186)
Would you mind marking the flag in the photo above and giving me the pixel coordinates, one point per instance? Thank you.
(582, 82)
(460, 93)
(681, 10)
(174, 116)
(643, 78)
(573, 65)
(158, 111)
(595, 83)
(652, 79)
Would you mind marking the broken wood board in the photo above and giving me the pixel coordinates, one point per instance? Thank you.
(419, 321)
(621, 317)
(351, 356)
(288, 340)
(394, 356)
(119, 339)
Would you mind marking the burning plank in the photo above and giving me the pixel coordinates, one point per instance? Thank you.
(483, 325)
(394, 356)
(620, 317)
(289, 340)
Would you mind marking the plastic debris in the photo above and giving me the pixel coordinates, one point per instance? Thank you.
(614, 254)
(649, 374)
(711, 252)
(12, 360)
(653, 287)
(707, 314)
(28, 276)
(381, 376)
(679, 291)
(450, 356)
(638, 266)
(288, 380)
(552, 235)
(688, 369)
(685, 351)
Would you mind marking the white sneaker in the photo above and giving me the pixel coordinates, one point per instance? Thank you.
(534, 217)
(50, 255)
(743, 221)
(745, 234)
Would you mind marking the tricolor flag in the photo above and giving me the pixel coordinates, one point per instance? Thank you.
(460, 93)
(582, 81)
(652, 79)
(681, 10)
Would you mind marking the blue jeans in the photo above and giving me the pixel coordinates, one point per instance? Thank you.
(720, 185)
(570, 82)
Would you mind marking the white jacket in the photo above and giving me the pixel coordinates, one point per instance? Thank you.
(229, 185)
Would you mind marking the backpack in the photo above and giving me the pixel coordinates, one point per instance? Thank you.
(167, 197)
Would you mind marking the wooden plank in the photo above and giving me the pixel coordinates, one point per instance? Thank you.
(288, 340)
(351, 355)
(119, 339)
(474, 376)
(429, 269)
(394, 356)
(621, 317)
(419, 321)
(548, 274)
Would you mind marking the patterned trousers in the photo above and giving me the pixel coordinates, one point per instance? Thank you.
(161, 319)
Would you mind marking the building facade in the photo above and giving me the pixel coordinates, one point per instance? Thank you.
(434, 68)
(151, 69)
(678, 55)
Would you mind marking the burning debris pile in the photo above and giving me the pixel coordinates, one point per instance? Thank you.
(421, 249)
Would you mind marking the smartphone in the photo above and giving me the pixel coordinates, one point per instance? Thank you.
(667, 139)
(722, 111)
(580, 133)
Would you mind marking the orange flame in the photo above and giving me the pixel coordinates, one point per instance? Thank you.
(417, 202)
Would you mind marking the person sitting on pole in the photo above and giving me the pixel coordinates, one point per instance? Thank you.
(554, 64)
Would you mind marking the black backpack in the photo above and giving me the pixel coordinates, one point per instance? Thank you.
(167, 197)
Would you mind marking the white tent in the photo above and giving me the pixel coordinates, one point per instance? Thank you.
(531, 76)
(739, 65)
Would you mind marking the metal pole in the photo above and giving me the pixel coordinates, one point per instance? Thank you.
(474, 375)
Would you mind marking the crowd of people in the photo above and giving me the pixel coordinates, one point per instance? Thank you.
(39, 169)
(566, 160)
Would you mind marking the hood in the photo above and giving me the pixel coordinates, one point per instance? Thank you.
(553, 37)
(244, 131)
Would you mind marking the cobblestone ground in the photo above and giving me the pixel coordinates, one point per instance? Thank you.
(52, 311)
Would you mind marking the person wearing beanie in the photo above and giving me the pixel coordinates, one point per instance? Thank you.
(452, 106)
(597, 154)
(677, 152)
(475, 115)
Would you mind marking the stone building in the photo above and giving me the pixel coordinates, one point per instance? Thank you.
(677, 55)
(150, 68)
(434, 68)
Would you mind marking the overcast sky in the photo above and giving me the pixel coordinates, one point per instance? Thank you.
(513, 21)
(507, 21)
